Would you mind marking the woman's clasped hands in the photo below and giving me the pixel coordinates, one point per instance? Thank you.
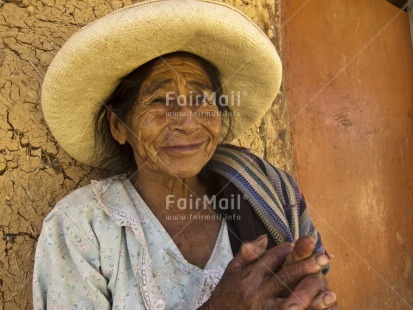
(287, 276)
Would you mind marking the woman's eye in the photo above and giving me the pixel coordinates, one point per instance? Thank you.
(158, 101)
(201, 100)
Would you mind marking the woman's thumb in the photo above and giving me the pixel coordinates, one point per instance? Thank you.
(250, 252)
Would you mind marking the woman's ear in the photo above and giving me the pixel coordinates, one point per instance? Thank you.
(117, 128)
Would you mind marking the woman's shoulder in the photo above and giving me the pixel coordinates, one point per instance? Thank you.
(82, 203)
(256, 167)
(246, 154)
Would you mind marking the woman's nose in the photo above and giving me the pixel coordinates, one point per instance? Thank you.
(184, 117)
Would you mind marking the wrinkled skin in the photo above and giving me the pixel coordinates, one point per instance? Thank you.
(285, 277)
(170, 150)
(164, 121)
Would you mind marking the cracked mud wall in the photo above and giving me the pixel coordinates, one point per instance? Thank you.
(34, 171)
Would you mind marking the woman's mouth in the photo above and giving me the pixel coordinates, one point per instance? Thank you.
(184, 148)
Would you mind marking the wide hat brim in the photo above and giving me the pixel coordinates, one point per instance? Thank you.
(92, 62)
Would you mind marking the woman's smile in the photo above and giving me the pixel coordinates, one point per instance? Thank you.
(178, 145)
(184, 148)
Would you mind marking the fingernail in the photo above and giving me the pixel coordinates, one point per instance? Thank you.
(330, 256)
(329, 298)
(293, 307)
(322, 260)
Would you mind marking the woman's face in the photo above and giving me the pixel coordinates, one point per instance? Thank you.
(175, 125)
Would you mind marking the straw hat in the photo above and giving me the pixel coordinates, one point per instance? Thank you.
(92, 62)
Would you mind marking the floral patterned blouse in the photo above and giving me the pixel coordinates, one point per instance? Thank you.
(101, 248)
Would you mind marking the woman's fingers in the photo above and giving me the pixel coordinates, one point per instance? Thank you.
(284, 281)
(254, 277)
(271, 261)
(310, 293)
(303, 248)
(303, 295)
(252, 250)
(249, 253)
(325, 300)
(241, 281)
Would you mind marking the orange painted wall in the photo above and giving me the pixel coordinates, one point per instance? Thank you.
(349, 86)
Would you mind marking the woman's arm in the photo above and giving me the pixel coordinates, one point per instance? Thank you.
(67, 267)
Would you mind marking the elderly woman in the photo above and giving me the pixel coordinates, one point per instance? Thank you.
(152, 91)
